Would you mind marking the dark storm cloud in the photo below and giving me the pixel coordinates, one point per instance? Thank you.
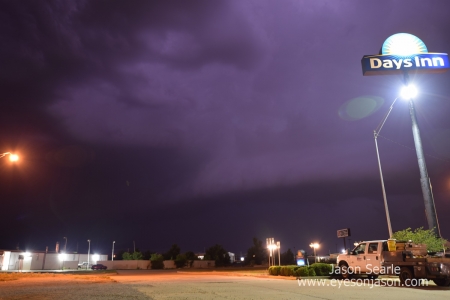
(140, 103)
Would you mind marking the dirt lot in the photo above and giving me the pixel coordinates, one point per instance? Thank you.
(173, 284)
(64, 286)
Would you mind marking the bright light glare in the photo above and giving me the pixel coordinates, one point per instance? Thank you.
(13, 157)
(408, 92)
(242, 258)
(343, 251)
(95, 257)
(62, 256)
(404, 46)
(314, 245)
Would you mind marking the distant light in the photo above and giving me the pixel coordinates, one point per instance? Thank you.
(95, 257)
(242, 258)
(62, 256)
(26, 254)
(13, 157)
(272, 246)
(300, 262)
(408, 92)
(343, 251)
(314, 245)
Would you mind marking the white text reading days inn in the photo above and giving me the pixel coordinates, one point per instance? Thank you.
(376, 63)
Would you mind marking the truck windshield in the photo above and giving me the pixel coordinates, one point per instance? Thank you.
(360, 248)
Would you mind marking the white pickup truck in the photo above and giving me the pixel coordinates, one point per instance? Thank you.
(408, 261)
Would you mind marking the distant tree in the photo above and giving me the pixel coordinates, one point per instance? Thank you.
(191, 256)
(219, 255)
(421, 236)
(147, 254)
(172, 253)
(137, 255)
(119, 255)
(287, 258)
(256, 254)
(132, 256)
(181, 260)
(157, 261)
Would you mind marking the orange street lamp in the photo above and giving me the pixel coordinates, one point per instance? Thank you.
(12, 157)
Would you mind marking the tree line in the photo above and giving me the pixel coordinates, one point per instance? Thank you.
(257, 254)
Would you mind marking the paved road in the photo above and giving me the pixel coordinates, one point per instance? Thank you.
(173, 285)
(170, 284)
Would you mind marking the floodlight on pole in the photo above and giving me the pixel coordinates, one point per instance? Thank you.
(408, 92)
(314, 246)
(430, 209)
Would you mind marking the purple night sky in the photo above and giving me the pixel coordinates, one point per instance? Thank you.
(203, 122)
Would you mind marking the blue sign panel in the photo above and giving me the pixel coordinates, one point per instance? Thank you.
(402, 53)
(395, 64)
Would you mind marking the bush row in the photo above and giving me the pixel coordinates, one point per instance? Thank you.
(317, 269)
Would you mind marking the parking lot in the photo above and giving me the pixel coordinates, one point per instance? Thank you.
(172, 284)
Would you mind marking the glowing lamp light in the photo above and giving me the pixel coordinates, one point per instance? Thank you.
(343, 251)
(13, 157)
(242, 258)
(95, 257)
(62, 256)
(408, 92)
(403, 44)
(314, 245)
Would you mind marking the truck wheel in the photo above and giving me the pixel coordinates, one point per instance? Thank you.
(344, 270)
(406, 275)
(442, 281)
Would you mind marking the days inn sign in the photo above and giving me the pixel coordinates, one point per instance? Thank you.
(401, 53)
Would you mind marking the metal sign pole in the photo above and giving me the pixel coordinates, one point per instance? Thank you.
(425, 183)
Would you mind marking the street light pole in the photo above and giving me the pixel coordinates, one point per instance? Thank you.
(89, 251)
(388, 218)
(65, 245)
(314, 246)
(279, 256)
(112, 254)
(430, 209)
(376, 133)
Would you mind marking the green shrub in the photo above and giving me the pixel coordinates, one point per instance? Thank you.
(302, 271)
(157, 261)
(311, 272)
(321, 269)
(180, 260)
(274, 270)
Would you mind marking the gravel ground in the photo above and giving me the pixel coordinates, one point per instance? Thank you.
(68, 287)
(173, 285)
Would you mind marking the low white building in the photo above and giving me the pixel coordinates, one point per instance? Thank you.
(24, 261)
